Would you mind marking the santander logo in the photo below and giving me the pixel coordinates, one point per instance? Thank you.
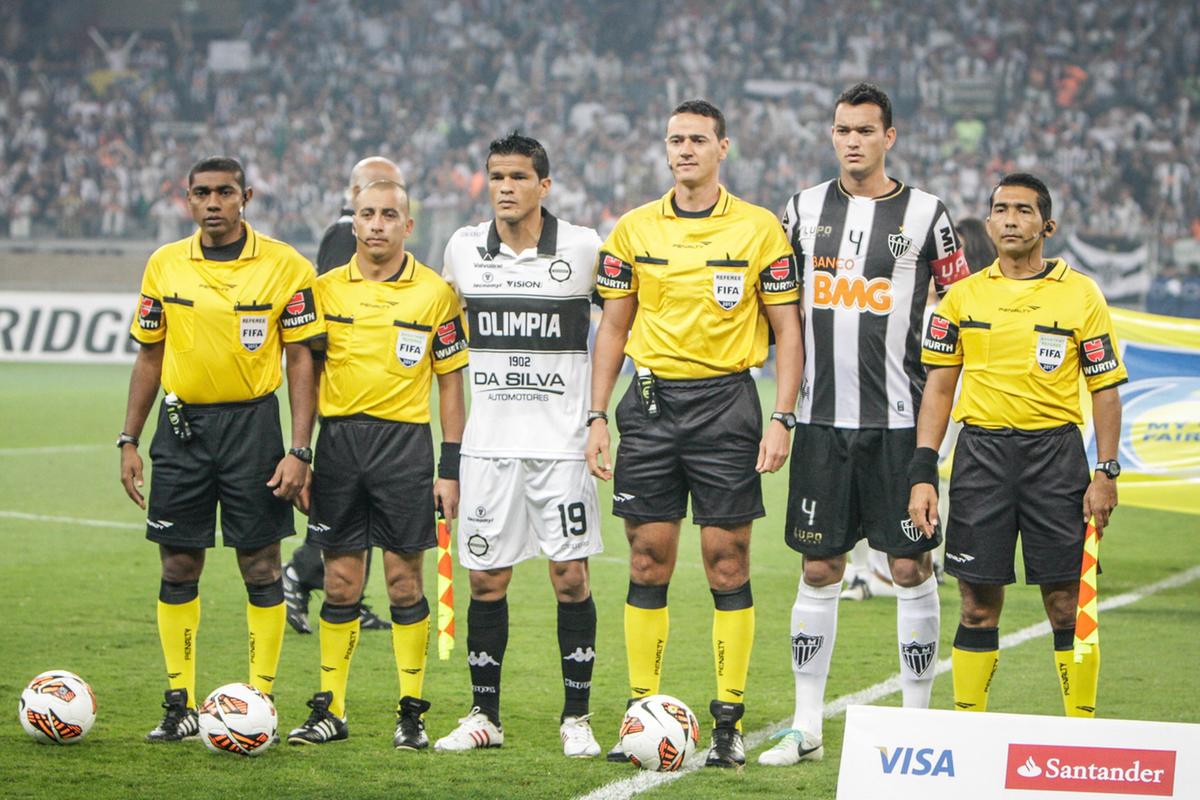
(1109, 770)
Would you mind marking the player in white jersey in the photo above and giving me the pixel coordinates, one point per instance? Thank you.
(526, 279)
(866, 247)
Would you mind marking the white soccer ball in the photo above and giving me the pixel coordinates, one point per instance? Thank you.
(237, 718)
(57, 707)
(659, 732)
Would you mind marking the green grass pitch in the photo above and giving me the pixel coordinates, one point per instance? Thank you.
(82, 598)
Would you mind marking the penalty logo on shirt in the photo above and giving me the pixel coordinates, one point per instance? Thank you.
(727, 288)
(1051, 349)
(410, 346)
(253, 331)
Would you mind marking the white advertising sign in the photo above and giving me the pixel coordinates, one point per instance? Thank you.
(905, 752)
(79, 328)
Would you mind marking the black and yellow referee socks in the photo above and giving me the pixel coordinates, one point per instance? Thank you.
(410, 644)
(1076, 682)
(487, 639)
(973, 663)
(647, 623)
(266, 617)
(732, 641)
(178, 620)
(339, 631)
(577, 647)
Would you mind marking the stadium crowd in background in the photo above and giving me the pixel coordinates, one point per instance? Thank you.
(95, 128)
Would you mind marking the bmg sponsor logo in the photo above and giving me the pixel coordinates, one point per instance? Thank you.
(1100, 770)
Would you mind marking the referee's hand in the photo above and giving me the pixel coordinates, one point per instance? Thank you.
(773, 449)
(1098, 501)
(291, 475)
(597, 450)
(131, 474)
(923, 508)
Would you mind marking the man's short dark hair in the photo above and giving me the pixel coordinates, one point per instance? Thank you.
(862, 93)
(703, 108)
(516, 144)
(1029, 182)
(219, 164)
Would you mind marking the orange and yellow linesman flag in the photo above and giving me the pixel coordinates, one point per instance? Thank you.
(1087, 615)
(445, 589)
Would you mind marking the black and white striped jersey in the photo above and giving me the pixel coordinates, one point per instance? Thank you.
(529, 318)
(864, 265)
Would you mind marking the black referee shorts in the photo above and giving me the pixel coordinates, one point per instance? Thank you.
(1009, 481)
(372, 486)
(704, 442)
(847, 484)
(234, 450)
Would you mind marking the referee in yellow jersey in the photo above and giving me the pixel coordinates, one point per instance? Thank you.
(392, 324)
(1021, 333)
(216, 312)
(701, 277)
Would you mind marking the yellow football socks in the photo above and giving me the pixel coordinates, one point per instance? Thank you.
(177, 625)
(973, 662)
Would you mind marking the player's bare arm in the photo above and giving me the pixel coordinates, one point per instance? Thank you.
(932, 420)
(292, 474)
(789, 367)
(607, 358)
(143, 388)
(1101, 496)
(452, 413)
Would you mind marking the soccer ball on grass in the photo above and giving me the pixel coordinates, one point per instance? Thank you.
(237, 718)
(659, 732)
(57, 707)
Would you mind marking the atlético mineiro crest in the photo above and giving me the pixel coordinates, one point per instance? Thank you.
(917, 656)
(804, 647)
(910, 529)
(410, 346)
(899, 244)
(253, 331)
(728, 288)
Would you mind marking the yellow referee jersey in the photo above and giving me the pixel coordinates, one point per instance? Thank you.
(1023, 345)
(700, 284)
(225, 322)
(385, 341)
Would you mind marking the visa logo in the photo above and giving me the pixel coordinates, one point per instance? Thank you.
(917, 761)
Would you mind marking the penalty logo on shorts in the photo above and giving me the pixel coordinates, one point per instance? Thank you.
(410, 346)
(1051, 349)
(917, 656)
(804, 647)
(253, 329)
(727, 288)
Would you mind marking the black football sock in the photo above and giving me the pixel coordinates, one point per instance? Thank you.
(487, 639)
(577, 646)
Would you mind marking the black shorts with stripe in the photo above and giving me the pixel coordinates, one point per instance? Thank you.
(847, 484)
(1007, 483)
(372, 486)
(233, 452)
(704, 443)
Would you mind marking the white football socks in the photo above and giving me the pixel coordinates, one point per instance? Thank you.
(918, 614)
(814, 630)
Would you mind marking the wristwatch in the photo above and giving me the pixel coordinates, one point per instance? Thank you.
(787, 418)
(302, 453)
(592, 416)
(125, 439)
(1110, 468)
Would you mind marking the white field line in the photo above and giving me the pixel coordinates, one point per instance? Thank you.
(53, 450)
(90, 523)
(642, 780)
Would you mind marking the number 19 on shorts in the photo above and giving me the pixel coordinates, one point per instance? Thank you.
(573, 517)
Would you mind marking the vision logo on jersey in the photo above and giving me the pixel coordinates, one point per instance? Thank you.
(450, 339)
(614, 273)
(149, 314)
(855, 294)
(941, 335)
(1098, 355)
(300, 310)
(779, 277)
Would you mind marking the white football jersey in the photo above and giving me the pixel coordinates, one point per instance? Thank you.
(529, 316)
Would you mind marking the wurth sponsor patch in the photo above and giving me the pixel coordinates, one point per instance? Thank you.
(614, 273)
(1097, 355)
(779, 277)
(149, 315)
(451, 337)
(299, 310)
(941, 335)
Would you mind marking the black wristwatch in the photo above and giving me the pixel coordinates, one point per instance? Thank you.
(786, 417)
(125, 439)
(592, 416)
(302, 453)
(1110, 468)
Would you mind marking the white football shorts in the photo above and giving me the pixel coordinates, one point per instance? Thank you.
(510, 508)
